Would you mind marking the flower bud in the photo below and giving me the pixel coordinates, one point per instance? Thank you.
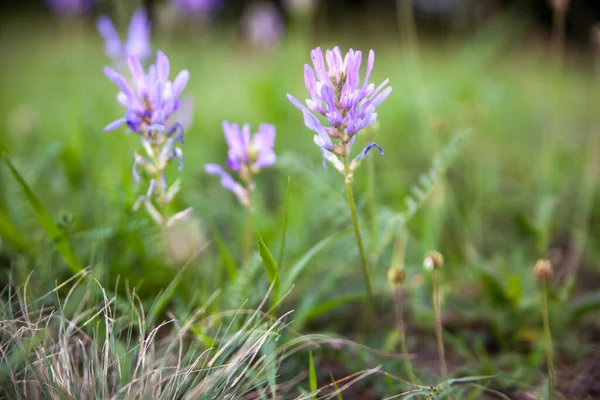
(543, 269)
(397, 275)
(433, 260)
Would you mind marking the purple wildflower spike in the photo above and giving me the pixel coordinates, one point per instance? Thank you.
(247, 155)
(153, 101)
(138, 40)
(229, 183)
(337, 93)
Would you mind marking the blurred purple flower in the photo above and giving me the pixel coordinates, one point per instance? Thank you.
(138, 39)
(71, 7)
(246, 157)
(262, 25)
(197, 6)
(155, 99)
(337, 93)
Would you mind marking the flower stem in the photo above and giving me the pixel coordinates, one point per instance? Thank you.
(359, 242)
(248, 234)
(438, 325)
(547, 338)
(402, 333)
(558, 28)
(372, 203)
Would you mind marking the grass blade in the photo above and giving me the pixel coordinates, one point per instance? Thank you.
(588, 303)
(225, 253)
(57, 235)
(326, 306)
(336, 387)
(18, 358)
(284, 223)
(271, 267)
(312, 374)
(163, 299)
(299, 266)
(11, 233)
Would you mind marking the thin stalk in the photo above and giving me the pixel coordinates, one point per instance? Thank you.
(372, 201)
(438, 325)
(406, 20)
(558, 27)
(248, 234)
(160, 190)
(354, 215)
(547, 338)
(402, 333)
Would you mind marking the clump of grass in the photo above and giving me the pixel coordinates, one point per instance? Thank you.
(105, 351)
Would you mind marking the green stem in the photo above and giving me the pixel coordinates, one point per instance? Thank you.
(438, 325)
(372, 203)
(160, 190)
(354, 214)
(402, 334)
(558, 26)
(547, 338)
(407, 23)
(248, 234)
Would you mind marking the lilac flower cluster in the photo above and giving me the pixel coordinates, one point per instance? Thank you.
(155, 98)
(138, 39)
(337, 94)
(262, 25)
(150, 112)
(246, 157)
(197, 6)
(70, 7)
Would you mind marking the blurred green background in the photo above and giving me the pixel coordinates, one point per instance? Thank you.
(523, 184)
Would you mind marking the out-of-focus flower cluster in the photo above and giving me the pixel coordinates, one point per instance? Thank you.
(138, 39)
(197, 6)
(248, 154)
(262, 25)
(348, 105)
(69, 7)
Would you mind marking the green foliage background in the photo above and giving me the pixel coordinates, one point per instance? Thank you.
(524, 186)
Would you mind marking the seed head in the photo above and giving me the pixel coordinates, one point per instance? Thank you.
(542, 269)
(433, 260)
(397, 275)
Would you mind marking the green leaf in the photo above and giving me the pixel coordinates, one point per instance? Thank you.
(19, 357)
(284, 223)
(588, 303)
(163, 298)
(492, 391)
(11, 234)
(271, 267)
(514, 289)
(325, 307)
(57, 235)
(225, 253)
(336, 387)
(299, 266)
(312, 374)
(469, 379)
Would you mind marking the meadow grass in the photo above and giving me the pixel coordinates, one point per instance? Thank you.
(516, 140)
